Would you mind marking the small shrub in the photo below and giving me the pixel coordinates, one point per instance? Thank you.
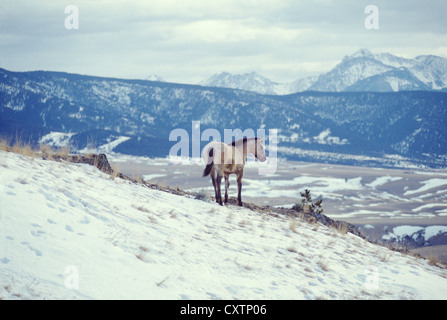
(292, 226)
(298, 207)
(23, 149)
(4, 144)
(434, 261)
(63, 151)
(200, 195)
(341, 227)
(307, 205)
(46, 150)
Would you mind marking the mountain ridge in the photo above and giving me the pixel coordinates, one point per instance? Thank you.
(341, 127)
(425, 72)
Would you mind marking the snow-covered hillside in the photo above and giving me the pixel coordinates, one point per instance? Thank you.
(69, 231)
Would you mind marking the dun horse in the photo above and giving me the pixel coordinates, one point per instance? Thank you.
(224, 159)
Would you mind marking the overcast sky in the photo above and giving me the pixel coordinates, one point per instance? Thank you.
(187, 41)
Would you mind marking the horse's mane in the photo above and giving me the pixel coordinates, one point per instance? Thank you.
(244, 140)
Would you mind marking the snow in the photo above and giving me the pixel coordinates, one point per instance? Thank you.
(402, 231)
(394, 83)
(428, 206)
(382, 180)
(353, 68)
(108, 147)
(69, 231)
(432, 231)
(247, 81)
(56, 139)
(428, 184)
(105, 148)
(148, 177)
(325, 138)
(154, 77)
(327, 186)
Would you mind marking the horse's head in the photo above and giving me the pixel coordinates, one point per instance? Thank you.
(260, 150)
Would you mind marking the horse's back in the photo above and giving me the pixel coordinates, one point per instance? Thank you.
(224, 154)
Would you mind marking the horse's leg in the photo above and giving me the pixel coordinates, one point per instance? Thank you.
(213, 180)
(219, 196)
(227, 186)
(239, 189)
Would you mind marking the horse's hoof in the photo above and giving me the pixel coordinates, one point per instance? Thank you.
(239, 204)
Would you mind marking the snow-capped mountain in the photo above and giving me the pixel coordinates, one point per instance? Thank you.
(361, 71)
(257, 83)
(400, 79)
(299, 85)
(365, 71)
(431, 70)
(247, 81)
(352, 69)
(416, 236)
(154, 77)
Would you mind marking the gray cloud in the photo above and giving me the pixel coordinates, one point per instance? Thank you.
(187, 41)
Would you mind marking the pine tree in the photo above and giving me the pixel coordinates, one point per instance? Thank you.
(307, 204)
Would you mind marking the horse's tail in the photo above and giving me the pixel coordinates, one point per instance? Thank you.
(210, 165)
